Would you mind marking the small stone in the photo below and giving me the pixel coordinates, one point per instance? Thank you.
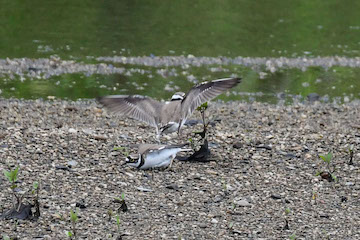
(243, 203)
(312, 97)
(100, 137)
(275, 196)
(173, 187)
(202, 225)
(238, 145)
(214, 221)
(81, 204)
(72, 130)
(143, 189)
(72, 163)
(61, 167)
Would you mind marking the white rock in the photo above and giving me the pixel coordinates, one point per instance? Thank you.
(214, 221)
(72, 130)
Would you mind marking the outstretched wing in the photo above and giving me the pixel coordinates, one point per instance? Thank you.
(204, 92)
(141, 108)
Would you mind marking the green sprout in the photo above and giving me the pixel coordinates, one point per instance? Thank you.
(192, 143)
(202, 108)
(12, 177)
(110, 214)
(327, 158)
(123, 150)
(35, 192)
(287, 210)
(69, 234)
(329, 174)
(118, 222)
(73, 219)
(224, 184)
(314, 196)
(292, 236)
(5, 237)
(120, 200)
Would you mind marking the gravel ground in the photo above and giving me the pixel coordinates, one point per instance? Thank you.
(265, 160)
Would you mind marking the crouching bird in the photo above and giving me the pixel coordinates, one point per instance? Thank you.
(151, 156)
(167, 117)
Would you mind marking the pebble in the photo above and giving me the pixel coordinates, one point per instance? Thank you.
(214, 221)
(243, 203)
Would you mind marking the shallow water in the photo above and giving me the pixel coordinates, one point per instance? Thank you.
(83, 32)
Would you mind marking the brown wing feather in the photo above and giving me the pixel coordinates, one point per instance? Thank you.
(141, 108)
(204, 92)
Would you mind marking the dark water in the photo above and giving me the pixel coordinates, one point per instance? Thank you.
(82, 30)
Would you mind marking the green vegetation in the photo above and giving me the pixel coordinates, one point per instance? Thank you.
(329, 174)
(12, 176)
(73, 219)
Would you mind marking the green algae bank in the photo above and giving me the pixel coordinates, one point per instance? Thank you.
(282, 49)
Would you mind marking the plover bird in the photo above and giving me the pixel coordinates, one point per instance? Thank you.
(152, 156)
(170, 116)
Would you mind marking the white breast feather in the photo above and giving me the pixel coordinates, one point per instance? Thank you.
(160, 159)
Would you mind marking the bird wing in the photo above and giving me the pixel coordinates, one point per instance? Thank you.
(141, 108)
(148, 147)
(155, 147)
(204, 92)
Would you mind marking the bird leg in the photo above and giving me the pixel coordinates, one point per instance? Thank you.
(171, 161)
(157, 138)
(179, 129)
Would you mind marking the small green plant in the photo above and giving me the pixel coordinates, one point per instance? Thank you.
(314, 196)
(123, 150)
(118, 222)
(110, 214)
(5, 237)
(122, 201)
(202, 108)
(329, 174)
(292, 236)
(35, 193)
(192, 143)
(287, 212)
(12, 177)
(327, 158)
(224, 185)
(73, 219)
(69, 234)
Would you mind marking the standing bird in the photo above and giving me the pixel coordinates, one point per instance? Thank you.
(167, 117)
(152, 156)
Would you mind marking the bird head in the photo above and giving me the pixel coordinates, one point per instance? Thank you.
(178, 96)
(133, 160)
